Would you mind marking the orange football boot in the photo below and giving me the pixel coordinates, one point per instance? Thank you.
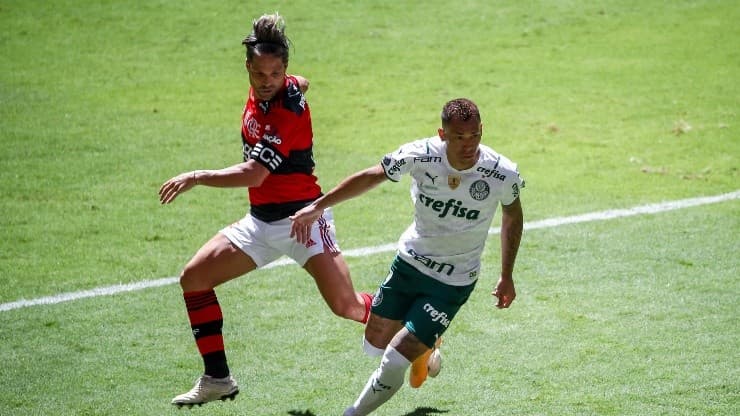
(420, 367)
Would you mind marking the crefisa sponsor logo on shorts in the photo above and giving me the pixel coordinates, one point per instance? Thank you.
(436, 315)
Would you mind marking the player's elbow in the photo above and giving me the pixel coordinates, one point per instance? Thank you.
(253, 174)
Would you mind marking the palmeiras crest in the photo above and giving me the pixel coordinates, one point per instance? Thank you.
(479, 190)
(378, 298)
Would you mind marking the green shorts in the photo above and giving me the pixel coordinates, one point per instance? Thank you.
(425, 305)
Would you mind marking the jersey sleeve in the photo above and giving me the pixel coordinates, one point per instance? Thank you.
(512, 184)
(400, 162)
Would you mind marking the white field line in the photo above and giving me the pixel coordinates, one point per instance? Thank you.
(366, 251)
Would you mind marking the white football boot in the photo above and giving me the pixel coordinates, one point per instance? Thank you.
(208, 389)
(434, 364)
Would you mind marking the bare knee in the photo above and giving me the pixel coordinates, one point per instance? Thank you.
(218, 261)
(197, 275)
(374, 340)
(379, 331)
(191, 280)
(408, 344)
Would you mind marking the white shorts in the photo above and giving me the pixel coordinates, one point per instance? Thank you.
(265, 242)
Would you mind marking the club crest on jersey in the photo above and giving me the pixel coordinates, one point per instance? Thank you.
(252, 125)
(454, 181)
(480, 190)
(378, 298)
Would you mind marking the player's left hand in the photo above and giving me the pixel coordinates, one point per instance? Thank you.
(505, 292)
(175, 186)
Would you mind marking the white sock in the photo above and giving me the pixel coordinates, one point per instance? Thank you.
(383, 383)
(371, 349)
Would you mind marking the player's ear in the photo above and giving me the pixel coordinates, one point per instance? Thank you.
(441, 133)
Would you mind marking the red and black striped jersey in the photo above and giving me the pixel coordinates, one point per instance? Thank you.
(278, 135)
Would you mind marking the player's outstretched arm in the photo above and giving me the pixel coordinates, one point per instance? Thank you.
(352, 186)
(249, 173)
(175, 186)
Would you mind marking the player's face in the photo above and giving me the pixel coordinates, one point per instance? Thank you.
(463, 138)
(266, 75)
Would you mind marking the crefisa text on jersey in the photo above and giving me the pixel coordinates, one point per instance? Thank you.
(396, 167)
(451, 205)
(491, 173)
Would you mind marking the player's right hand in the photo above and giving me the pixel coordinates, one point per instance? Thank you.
(302, 222)
(505, 292)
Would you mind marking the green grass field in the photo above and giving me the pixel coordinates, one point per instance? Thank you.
(604, 105)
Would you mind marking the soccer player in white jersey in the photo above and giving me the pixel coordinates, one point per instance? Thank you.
(457, 185)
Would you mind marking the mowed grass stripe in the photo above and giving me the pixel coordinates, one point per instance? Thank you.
(366, 251)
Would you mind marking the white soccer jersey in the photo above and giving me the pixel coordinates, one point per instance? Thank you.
(453, 209)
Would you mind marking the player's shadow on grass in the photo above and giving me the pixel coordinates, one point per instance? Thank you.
(301, 413)
(420, 411)
(426, 411)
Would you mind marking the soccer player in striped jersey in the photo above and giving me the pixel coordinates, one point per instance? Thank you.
(278, 170)
(457, 184)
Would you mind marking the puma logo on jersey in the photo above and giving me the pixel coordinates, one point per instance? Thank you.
(264, 106)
